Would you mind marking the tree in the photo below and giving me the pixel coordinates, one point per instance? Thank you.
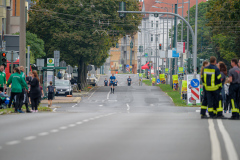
(83, 31)
(36, 46)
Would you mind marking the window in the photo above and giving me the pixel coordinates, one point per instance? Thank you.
(152, 24)
(151, 37)
(157, 24)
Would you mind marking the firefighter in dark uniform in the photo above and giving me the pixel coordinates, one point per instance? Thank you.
(204, 100)
(234, 79)
(212, 82)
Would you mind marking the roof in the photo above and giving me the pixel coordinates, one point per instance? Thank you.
(149, 3)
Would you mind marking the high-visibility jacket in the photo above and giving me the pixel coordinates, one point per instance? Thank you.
(211, 78)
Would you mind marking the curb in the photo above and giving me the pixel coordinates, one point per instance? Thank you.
(76, 100)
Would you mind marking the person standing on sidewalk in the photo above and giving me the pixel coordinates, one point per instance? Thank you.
(3, 85)
(204, 102)
(18, 83)
(112, 79)
(223, 71)
(35, 92)
(24, 95)
(212, 81)
(105, 82)
(50, 90)
(234, 88)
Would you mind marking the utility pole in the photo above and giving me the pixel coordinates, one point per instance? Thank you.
(195, 55)
(22, 38)
(163, 47)
(166, 53)
(28, 61)
(156, 56)
(182, 22)
(176, 40)
(188, 30)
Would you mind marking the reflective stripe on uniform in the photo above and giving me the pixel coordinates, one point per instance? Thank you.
(203, 107)
(210, 109)
(213, 87)
(219, 76)
(220, 109)
(233, 106)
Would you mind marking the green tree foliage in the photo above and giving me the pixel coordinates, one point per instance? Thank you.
(83, 31)
(223, 18)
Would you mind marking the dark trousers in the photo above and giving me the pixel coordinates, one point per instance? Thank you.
(16, 97)
(23, 99)
(34, 103)
(212, 102)
(234, 90)
(227, 103)
(204, 103)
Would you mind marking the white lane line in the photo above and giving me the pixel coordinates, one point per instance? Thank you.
(29, 138)
(54, 131)
(79, 122)
(91, 119)
(108, 94)
(63, 127)
(85, 120)
(71, 125)
(92, 94)
(43, 134)
(198, 111)
(100, 105)
(231, 151)
(12, 142)
(215, 145)
(74, 105)
(54, 110)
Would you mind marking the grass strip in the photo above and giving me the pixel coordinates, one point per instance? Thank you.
(11, 110)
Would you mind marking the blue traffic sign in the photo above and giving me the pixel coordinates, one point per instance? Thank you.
(195, 83)
(127, 66)
(158, 80)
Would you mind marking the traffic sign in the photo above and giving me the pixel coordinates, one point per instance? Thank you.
(40, 62)
(195, 83)
(127, 66)
(146, 54)
(50, 62)
(158, 81)
(9, 56)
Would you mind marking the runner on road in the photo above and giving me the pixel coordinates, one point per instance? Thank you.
(129, 81)
(112, 79)
(105, 82)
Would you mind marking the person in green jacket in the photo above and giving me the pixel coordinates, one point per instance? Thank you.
(18, 83)
(2, 79)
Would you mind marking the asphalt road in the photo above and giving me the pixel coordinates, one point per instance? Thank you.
(135, 123)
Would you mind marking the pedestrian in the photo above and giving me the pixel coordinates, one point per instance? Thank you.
(50, 90)
(227, 101)
(3, 85)
(35, 91)
(41, 95)
(234, 88)
(24, 95)
(17, 84)
(223, 71)
(129, 81)
(105, 82)
(204, 101)
(212, 81)
(29, 80)
(112, 79)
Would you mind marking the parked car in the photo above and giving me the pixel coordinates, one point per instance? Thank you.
(92, 80)
(63, 87)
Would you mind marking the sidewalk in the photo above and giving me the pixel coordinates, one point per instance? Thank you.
(63, 100)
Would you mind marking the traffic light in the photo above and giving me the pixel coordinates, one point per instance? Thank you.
(160, 46)
(122, 7)
(3, 60)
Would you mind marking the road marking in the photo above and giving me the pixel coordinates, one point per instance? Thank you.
(128, 107)
(198, 111)
(29, 138)
(54, 110)
(79, 123)
(12, 142)
(54, 130)
(63, 127)
(43, 134)
(71, 125)
(151, 104)
(231, 151)
(93, 93)
(74, 105)
(215, 145)
(91, 119)
(100, 105)
(108, 94)
(85, 120)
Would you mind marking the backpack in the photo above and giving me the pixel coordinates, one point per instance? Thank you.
(50, 89)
